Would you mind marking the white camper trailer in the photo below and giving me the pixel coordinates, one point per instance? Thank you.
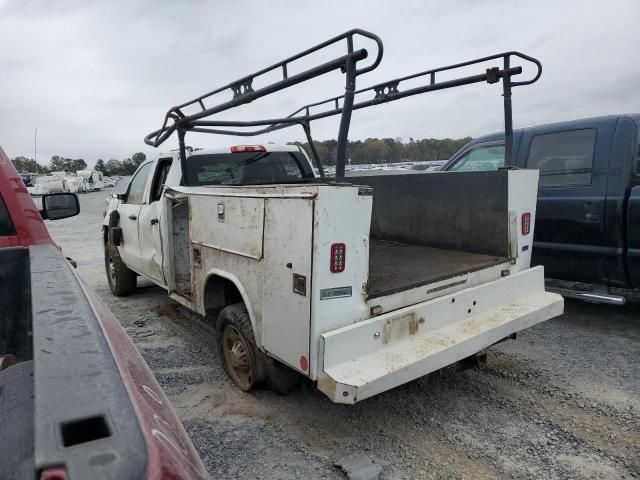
(90, 180)
(47, 184)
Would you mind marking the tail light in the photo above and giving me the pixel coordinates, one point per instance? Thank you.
(54, 473)
(248, 148)
(338, 257)
(526, 223)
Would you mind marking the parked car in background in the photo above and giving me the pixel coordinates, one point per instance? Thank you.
(93, 180)
(109, 182)
(47, 184)
(587, 232)
(70, 181)
(76, 399)
(29, 179)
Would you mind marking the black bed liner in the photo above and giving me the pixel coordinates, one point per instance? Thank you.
(394, 267)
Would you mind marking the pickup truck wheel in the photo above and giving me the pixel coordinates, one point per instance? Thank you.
(122, 281)
(241, 359)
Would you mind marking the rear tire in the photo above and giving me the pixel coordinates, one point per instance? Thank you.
(243, 361)
(122, 281)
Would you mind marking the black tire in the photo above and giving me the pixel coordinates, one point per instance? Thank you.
(279, 378)
(122, 281)
(242, 360)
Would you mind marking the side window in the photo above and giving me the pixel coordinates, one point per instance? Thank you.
(161, 177)
(481, 158)
(563, 158)
(136, 187)
(6, 225)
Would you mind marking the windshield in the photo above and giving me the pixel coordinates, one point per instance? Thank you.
(247, 168)
(480, 158)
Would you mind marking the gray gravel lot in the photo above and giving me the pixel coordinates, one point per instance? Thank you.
(561, 401)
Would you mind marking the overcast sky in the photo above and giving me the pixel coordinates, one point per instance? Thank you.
(95, 78)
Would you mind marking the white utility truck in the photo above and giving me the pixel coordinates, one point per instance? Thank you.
(360, 285)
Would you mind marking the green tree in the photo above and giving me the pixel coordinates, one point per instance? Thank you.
(376, 150)
(75, 165)
(27, 165)
(128, 166)
(100, 166)
(113, 167)
(57, 163)
(138, 158)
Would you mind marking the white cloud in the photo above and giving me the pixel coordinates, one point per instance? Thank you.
(94, 78)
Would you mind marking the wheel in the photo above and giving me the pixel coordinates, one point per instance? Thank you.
(245, 364)
(122, 281)
(241, 359)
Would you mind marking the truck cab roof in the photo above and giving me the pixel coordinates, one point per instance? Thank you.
(590, 122)
(265, 147)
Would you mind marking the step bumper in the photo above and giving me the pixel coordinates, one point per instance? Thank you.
(375, 355)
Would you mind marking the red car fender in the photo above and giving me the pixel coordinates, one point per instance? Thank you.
(170, 453)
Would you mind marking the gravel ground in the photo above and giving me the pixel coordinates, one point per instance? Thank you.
(561, 401)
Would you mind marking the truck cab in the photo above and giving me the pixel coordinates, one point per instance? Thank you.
(588, 212)
(140, 210)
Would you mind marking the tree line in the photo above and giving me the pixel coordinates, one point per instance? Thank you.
(120, 167)
(369, 151)
(58, 163)
(387, 150)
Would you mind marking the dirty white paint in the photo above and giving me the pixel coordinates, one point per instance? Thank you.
(230, 224)
(286, 315)
(383, 352)
(261, 237)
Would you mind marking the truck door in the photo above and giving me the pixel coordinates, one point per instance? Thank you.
(149, 231)
(569, 229)
(286, 312)
(129, 209)
(633, 220)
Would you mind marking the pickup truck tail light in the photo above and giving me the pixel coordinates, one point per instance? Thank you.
(248, 148)
(338, 257)
(54, 473)
(526, 223)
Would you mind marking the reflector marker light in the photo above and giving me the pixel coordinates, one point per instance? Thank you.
(526, 223)
(248, 148)
(338, 257)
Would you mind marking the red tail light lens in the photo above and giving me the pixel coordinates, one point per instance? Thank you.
(526, 223)
(248, 148)
(338, 257)
(54, 473)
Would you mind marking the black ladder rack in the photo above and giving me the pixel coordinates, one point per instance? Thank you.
(243, 93)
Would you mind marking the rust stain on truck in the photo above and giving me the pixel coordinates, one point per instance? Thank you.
(400, 327)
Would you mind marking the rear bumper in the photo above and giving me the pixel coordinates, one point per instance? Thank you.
(375, 355)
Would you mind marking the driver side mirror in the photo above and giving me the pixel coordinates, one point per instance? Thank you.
(121, 196)
(59, 205)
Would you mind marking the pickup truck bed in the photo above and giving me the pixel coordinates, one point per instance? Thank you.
(76, 398)
(394, 267)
